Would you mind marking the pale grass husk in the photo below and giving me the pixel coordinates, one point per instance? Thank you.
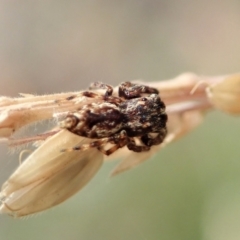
(48, 176)
(226, 94)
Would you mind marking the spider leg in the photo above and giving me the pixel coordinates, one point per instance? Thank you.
(100, 85)
(150, 141)
(134, 147)
(119, 139)
(84, 147)
(110, 150)
(88, 94)
(130, 90)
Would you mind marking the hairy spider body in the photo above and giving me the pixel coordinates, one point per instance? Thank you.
(118, 120)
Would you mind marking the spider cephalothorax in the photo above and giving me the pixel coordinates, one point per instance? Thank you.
(137, 112)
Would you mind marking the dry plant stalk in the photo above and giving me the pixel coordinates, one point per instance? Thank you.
(48, 176)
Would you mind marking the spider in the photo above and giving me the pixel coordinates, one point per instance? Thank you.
(136, 113)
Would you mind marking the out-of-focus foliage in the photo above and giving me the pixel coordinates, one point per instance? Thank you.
(188, 191)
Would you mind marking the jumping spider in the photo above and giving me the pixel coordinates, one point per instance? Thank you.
(137, 112)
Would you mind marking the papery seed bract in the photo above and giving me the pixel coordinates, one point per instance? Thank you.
(225, 95)
(48, 176)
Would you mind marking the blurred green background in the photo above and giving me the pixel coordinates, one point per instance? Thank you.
(191, 189)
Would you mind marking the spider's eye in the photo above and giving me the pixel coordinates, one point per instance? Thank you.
(144, 99)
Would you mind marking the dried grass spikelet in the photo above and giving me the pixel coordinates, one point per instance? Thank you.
(225, 95)
(48, 176)
(16, 113)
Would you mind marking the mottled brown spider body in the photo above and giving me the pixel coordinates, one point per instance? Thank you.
(118, 120)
